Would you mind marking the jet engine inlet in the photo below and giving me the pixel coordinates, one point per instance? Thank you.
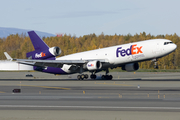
(55, 51)
(131, 67)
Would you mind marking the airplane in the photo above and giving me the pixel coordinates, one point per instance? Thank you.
(126, 56)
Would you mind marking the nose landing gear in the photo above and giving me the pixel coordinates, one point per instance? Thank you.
(155, 63)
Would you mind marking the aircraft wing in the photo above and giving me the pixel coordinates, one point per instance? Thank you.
(55, 63)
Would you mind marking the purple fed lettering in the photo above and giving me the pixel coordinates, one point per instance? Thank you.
(117, 51)
(128, 51)
(123, 52)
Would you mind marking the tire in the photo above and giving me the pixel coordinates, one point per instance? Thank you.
(79, 77)
(82, 76)
(110, 77)
(86, 76)
(103, 77)
(93, 77)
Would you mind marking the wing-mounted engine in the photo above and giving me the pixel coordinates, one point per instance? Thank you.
(131, 67)
(93, 65)
(49, 53)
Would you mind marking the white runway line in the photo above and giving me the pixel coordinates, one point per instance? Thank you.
(88, 107)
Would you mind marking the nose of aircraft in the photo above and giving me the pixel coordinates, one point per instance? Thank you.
(170, 47)
(174, 46)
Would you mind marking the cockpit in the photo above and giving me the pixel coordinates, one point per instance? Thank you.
(165, 43)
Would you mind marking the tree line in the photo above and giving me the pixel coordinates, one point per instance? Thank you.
(18, 45)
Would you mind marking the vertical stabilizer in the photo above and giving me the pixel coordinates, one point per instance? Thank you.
(39, 46)
(37, 42)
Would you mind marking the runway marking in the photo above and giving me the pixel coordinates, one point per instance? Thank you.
(103, 97)
(89, 107)
(113, 84)
(2, 92)
(46, 87)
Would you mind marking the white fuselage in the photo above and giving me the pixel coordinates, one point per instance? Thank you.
(6, 65)
(126, 53)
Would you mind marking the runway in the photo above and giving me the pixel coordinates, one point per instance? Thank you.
(123, 97)
(91, 99)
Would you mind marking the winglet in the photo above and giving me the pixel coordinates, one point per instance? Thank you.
(8, 56)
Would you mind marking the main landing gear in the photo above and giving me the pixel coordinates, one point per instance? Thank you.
(93, 76)
(107, 77)
(82, 76)
(104, 77)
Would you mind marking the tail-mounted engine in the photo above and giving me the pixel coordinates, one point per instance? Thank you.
(93, 65)
(131, 67)
(55, 51)
(49, 53)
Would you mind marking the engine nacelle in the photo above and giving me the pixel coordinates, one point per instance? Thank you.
(55, 51)
(131, 67)
(93, 65)
(49, 53)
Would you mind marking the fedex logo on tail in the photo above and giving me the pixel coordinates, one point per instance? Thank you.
(40, 55)
(133, 50)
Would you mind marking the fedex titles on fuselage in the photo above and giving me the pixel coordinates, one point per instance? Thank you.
(132, 50)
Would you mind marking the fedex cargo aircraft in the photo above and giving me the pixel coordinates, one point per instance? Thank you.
(126, 56)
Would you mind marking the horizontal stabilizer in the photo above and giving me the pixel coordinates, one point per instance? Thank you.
(8, 56)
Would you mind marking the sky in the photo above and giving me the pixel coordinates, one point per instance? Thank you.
(83, 17)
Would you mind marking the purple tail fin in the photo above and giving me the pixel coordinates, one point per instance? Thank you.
(38, 44)
(40, 47)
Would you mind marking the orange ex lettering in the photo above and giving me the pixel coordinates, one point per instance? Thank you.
(129, 51)
(43, 54)
(133, 48)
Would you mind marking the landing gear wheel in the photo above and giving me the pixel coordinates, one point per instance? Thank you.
(81, 77)
(156, 67)
(110, 77)
(86, 76)
(107, 77)
(93, 77)
(103, 76)
(155, 63)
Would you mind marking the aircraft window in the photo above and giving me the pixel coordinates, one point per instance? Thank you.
(165, 43)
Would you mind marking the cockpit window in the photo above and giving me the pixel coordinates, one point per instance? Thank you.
(165, 43)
